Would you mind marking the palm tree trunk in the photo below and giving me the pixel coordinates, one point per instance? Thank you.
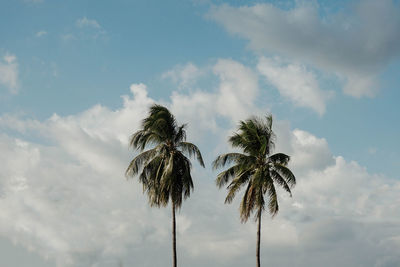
(258, 238)
(174, 260)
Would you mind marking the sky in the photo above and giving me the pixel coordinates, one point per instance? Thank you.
(77, 78)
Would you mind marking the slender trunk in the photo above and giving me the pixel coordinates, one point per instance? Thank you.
(258, 238)
(174, 260)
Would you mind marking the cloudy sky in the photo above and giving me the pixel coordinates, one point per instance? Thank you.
(76, 78)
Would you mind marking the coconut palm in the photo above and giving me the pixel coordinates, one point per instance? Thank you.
(256, 170)
(164, 170)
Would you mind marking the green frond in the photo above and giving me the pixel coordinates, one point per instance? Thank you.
(280, 158)
(228, 158)
(150, 178)
(239, 181)
(191, 150)
(254, 136)
(138, 161)
(180, 134)
(160, 121)
(273, 199)
(224, 177)
(248, 202)
(286, 173)
(244, 208)
(142, 138)
(281, 181)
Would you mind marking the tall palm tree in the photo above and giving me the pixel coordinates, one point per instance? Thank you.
(164, 170)
(256, 169)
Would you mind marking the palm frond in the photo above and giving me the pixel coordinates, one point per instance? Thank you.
(160, 120)
(141, 138)
(286, 173)
(249, 202)
(192, 150)
(273, 199)
(228, 158)
(280, 158)
(180, 134)
(224, 177)
(138, 161)
(236, 184)
(281, 181)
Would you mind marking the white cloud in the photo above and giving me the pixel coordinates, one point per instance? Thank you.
(9, 73)
(237, 91)
(295, 83)
(355, 47)
(85, 22)
(184, 76)
(231, 99)
(65, 196)
(41, 33)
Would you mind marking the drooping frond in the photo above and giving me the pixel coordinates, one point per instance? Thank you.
(138, 162)
(281, 181)
(237, 158)
(286, 173)
(249, 203)
(150, 178)
(142, 138)
(224, 177)
(240, 180)
(273, 199)
(180, 134)
(191, 150)
(280, 158)
(246, 206)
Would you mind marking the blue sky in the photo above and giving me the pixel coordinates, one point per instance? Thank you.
(328, 72)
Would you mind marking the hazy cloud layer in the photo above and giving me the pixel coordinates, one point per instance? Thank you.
(355, 45)
(64, 195)
(9, 73)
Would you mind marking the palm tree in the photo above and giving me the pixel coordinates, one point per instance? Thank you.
(164, 170)
(256, 169)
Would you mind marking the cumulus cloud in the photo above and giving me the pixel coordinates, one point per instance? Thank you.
(183, 75)
(64, 194)
(232, 98)
(295, 83)
(356, 46)
(238, 89)
(9, 73)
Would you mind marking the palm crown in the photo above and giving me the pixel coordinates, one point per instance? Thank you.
(255, 168)
(165, 170)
